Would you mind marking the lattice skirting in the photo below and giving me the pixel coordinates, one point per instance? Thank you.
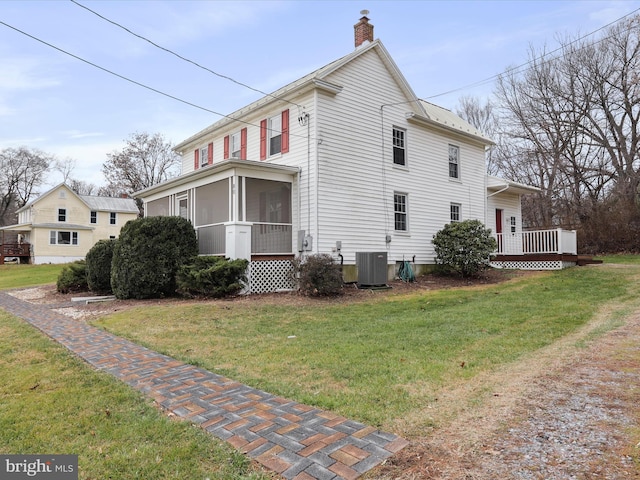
(533, 264)
(266, 276)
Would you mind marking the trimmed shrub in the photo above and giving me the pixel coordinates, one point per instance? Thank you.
(99, 260)
(148, 254)
(319, 275)
(211, 277)
(73, 278)
(464, 247)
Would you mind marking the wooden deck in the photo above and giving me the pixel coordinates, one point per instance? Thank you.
(541, 261)
(22, 251)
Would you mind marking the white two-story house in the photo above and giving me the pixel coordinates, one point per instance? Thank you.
(345, 160)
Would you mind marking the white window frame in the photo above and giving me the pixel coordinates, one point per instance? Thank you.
(454, 159)
(512, 224)
(403, 212)
(234, 145)
(62, 214)
(204, 156)
(113, 218)
(455, 212)
(54, 237)
(274, 131)
(399, 140)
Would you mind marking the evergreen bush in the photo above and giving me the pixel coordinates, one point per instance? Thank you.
(148, 254)
(211, 277)
(319, 275)
(464, 247)
(99, 260)
(73, 278)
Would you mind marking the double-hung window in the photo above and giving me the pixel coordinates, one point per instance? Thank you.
(399, 147)
(454, 162)
(400, 212)
(274, 132)
(455, 212)
(62, 214)
(234, 145)
(204, 157)
(94, 217)
(112, 218)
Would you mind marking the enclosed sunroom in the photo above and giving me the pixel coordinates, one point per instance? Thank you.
(239, 209)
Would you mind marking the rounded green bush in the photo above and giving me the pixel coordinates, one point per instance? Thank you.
(464, 247)
(148, 254)
(99, 260)
(212, 277)
(73, 278)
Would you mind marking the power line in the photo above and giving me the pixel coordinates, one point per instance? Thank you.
(122, 77)
(141, 37)
(527, 64)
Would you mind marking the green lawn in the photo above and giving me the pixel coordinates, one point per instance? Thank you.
(386, 359)
(381, 362)
(16, 276)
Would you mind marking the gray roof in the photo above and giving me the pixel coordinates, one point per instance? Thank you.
(110, 204)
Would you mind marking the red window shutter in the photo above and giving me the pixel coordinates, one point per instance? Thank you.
(210, 153)
(285, 131)
(196, 158)
(226, 147)
(263, 139)
(243, 144)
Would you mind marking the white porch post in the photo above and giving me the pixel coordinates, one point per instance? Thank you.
(238, 240)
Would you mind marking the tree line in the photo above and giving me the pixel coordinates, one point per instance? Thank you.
(145, 160)
(568, 124)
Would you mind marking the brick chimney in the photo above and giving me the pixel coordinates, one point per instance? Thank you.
(363, 30)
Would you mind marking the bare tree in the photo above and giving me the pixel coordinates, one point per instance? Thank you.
(144, 161)
(484, 118)
(22, 171)
(570, 124)
(81, 187)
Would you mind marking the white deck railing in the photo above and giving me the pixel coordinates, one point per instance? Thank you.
(537, 241)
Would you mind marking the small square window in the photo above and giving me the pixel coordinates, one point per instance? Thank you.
(400, 212)
(112, 218)
(454, 162)
(455, 212)
(62, 214)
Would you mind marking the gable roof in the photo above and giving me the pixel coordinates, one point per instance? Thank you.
(315, 79)
(122, 205)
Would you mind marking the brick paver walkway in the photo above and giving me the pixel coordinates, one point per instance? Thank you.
(297, 441)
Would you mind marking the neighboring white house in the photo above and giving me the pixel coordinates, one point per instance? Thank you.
(345, 161)
(61, 226)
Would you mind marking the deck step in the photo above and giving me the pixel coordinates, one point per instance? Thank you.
(586, 260)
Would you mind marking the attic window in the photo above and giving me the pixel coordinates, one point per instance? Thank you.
(454, 162)
(62, 214)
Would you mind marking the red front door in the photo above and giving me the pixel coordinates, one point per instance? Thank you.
(499, 228)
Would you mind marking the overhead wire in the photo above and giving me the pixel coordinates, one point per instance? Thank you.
(135, 82)
(181, 57)
(526, 65)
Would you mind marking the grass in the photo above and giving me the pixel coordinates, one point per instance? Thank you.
(382, 360)
(16, 276)
(627, 259)
(50, 402)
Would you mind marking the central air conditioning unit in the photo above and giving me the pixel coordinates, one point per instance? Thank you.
(372, 269)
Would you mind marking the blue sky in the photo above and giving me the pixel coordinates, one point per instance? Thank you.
(59, 104)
